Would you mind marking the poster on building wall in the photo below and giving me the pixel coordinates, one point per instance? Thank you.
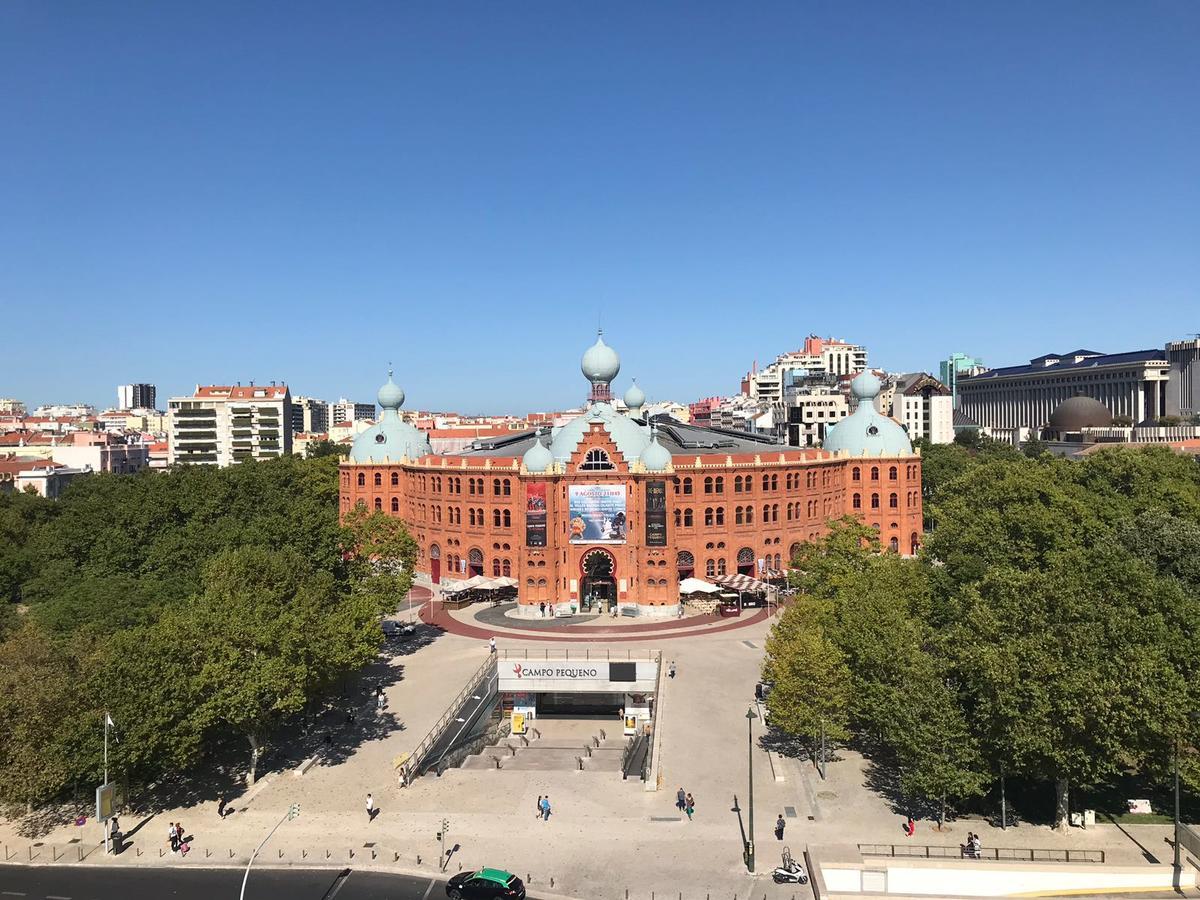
(656, 514)
(535, 515)
(597, 513)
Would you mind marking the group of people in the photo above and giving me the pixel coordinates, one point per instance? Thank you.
(972, 848)
(175, 837)
(684, 802)
(543, 808)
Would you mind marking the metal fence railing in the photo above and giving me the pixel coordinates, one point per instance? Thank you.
(581, 654)
(1002, 854)
(412, 766)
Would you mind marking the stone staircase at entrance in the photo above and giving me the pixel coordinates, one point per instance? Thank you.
(555, 745)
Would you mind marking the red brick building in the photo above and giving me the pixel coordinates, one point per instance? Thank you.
(611, 509)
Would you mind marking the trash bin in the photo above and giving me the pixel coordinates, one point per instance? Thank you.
(1089, 818)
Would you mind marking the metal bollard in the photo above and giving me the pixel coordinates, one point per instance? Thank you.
(603, 735)
(281, 853)
(496, 760)
(596, 741)
(512, 750)
(327, 854)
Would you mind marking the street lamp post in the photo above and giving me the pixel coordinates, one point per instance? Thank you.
(291, 814)
(750, 717)
(1177, 866)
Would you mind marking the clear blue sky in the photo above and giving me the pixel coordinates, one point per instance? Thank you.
(207, 192)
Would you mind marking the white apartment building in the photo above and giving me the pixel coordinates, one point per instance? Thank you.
(220, 425)
(137, 396)
(65, 411)
(924, 406)
(819, 358)
(100, 452)
(10, 406)
(349, 411)
(811, 412)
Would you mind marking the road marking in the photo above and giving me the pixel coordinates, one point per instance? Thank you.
(53, 897)
(425, 896)
(13, 893)
(338, 885)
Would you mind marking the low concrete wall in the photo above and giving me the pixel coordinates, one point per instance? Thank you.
(973, 878)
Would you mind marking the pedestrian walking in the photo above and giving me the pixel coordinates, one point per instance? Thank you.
(690, 807)
(221, 807)
(671, 669)
(370, 807)
(173, 838)
(491, 645)
(680, 799)
(546, 808)
(779, 826)
(542, 608)
(910, 827)
(538, 813)
(380, 698)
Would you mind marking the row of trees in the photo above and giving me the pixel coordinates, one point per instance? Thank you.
(1050, 628)
(193, 605)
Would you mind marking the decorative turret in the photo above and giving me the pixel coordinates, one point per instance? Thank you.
(635, 399)
(391, 438)
(538, 458)
(865, 431)
(656, 457)
(600, 365)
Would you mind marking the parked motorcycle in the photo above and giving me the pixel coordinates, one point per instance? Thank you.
(791, 872)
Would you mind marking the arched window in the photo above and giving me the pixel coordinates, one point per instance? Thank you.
(362, 480)
(775, 513)
(720, 515)
(507, 519)
(529, 582)
(745, 557)
(470, 516)
(874, 473)
(541, 582)
(596, 460)
(496, 568)
(856, 501)
(778, 567)
(395, 479)
(495, 518)
(874, 501)
(475, 555)
(378, 480)
(793, 552)
(708, 515)
(395, 504)
(766, 482)
(721, 566)
(737, 484)
(720, 484)
(893, 501)
(775, 482)
(749, 515)
(678, 517)
(894, 545)
(710, 568)
(737, 515)
(687, 518)
(766, 516)
(893, 473)
(708, 484)
(506, 568)
(379, 503)
(507, 488)
(496, 486)
(687, 485)
(684, 560)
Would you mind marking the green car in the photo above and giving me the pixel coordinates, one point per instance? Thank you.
(485, 884)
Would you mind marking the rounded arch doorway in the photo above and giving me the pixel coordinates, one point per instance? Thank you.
(598, 587)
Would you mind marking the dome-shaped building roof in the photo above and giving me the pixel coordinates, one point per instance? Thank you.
(538, 458)
(391, 438)
(635, 398)
(865, 431)
(656, 457)
(630, 437)
(600, 363)
(1080, 412)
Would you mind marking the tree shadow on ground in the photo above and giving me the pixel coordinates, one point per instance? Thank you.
(787, 745)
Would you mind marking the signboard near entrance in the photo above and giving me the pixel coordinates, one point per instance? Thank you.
(524, 677)
(535, 515)
(597, 513)
(656, 514)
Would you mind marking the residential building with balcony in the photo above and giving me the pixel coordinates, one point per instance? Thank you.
(924, 407)
(310, 415)
(349, 411)
(220, 425)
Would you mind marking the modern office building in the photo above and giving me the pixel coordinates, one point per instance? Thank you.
(1132, 385)
(957, 365)
(220, 425)
(819, 358)
(136, 396)
(924, 407)
(310, 416)
(611, 509)
(349, 411)
(1183, 391)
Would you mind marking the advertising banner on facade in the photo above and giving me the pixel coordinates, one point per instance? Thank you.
(656, 514)
(597, 513)
(535, 515)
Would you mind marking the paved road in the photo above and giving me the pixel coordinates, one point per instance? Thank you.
(93, 883)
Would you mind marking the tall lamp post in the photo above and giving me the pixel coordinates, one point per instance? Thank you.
(750, 717)
(291, 814)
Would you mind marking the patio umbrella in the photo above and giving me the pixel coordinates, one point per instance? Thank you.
(697, 586)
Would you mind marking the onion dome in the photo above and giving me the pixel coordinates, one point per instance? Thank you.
(630, 437)
(391, 395)
(635, 398)
(600, 363)
(391, 438)
(538, 458)
(656, 457)
(865, 431)
(1078, 412)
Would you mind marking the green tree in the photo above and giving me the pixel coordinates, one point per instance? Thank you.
(1033, 448)
(323, 448)
(383, 557)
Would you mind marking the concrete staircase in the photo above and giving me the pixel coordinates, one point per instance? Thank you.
(539, 751)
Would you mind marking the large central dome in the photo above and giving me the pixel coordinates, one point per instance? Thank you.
(600, 363)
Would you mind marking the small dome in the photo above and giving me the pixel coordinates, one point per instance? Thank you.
(656, 457)
(635, 398)
(391, 395)
(600, 362)
(1080, 412)
(865, 431)
(630, 437)
(866, 385)
(538, 458)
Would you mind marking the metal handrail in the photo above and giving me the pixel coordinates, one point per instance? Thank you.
(586, 654)
(414, 761)
(1009, 854)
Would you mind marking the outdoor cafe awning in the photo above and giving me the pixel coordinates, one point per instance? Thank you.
(697, 586)
(743, 583)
